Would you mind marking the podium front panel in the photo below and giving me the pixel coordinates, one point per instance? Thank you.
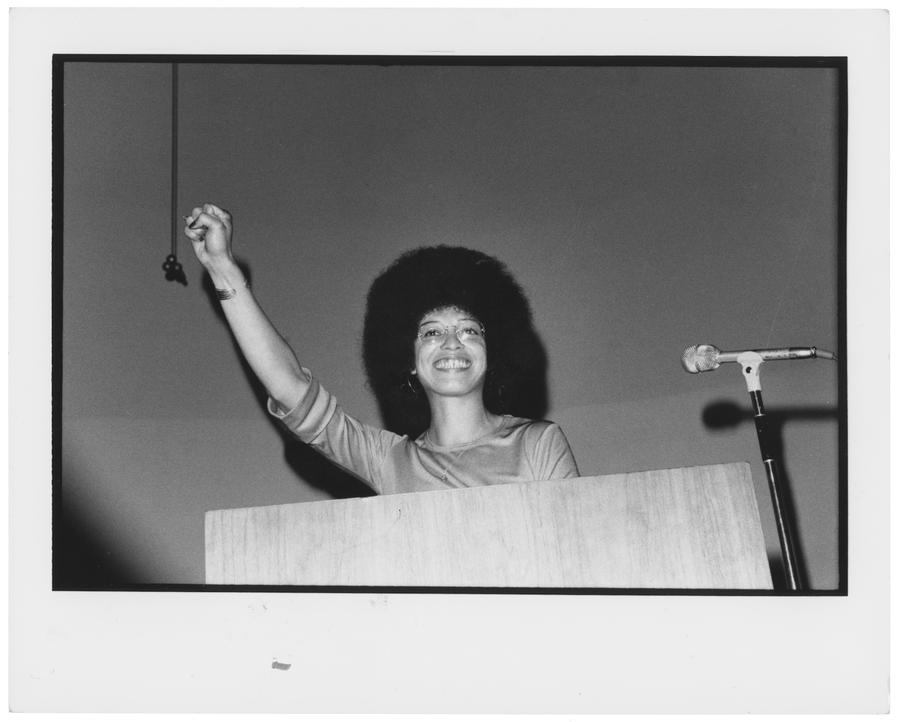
(691, 528)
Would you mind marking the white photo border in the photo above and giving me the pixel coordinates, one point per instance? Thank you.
(456, 653)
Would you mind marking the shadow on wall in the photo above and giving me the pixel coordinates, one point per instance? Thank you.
(721, 415)
(82, 560)
(304, 461)
(525, 395)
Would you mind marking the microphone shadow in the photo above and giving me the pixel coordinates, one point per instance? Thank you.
(723, 415)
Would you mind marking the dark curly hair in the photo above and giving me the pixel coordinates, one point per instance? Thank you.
(425, 279)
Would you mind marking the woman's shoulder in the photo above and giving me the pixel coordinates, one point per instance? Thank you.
(530, 427)
(546, 447)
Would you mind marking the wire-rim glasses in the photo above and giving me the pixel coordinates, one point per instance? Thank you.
(466, 331)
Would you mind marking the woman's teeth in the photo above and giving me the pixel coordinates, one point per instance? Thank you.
(452, 363)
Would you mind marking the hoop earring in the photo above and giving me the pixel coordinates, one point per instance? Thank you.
(408, 384)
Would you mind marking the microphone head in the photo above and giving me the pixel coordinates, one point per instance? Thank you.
(702, 357)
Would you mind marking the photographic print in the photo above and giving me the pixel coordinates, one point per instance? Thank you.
(637, 207)
(384, 361)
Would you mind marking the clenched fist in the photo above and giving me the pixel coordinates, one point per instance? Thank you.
(209, 228)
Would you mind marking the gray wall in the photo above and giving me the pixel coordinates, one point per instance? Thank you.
(643, 209)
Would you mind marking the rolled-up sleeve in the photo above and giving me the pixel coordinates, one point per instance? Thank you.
(319, 421)
(308, 419)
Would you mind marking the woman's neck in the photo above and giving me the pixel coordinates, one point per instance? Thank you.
(459, 420)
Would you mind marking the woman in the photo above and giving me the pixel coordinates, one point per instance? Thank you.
(437, 323)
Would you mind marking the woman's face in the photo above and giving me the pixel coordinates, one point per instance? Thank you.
(451, 353)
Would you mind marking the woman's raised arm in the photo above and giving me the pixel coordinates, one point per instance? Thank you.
(273, 361)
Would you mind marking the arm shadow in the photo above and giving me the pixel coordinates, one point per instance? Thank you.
(304, 461)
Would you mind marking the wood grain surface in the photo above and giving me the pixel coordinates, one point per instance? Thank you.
(692, 528)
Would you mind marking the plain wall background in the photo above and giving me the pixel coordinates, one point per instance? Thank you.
(643, 209)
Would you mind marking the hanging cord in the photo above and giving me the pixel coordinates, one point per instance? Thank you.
(173, 269)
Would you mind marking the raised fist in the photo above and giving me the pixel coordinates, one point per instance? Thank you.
(209, 228)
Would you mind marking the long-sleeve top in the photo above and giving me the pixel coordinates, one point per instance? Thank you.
(518, 450)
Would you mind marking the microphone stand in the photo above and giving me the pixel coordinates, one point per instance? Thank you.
(750, 362)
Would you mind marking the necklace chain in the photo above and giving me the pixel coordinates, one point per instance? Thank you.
(444, 464)
(494, 426)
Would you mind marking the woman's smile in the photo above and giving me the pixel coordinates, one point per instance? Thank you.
(450, 353)
(452, 363)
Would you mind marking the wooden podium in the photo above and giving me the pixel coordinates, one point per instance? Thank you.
(693, 528)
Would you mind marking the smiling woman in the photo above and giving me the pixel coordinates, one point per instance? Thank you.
(450, 352)
(451, 358)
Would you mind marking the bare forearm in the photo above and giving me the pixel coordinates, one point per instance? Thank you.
(209, 229)
(269, 355)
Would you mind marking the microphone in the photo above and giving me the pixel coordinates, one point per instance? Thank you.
(705, 357)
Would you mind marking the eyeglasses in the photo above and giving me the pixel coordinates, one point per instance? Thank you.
(436, 333)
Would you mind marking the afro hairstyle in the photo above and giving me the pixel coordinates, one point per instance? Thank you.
(429, 278)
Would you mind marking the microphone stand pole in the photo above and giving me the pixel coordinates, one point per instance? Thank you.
(750, 362)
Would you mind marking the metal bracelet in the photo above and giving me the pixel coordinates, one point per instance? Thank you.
(223, 294)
